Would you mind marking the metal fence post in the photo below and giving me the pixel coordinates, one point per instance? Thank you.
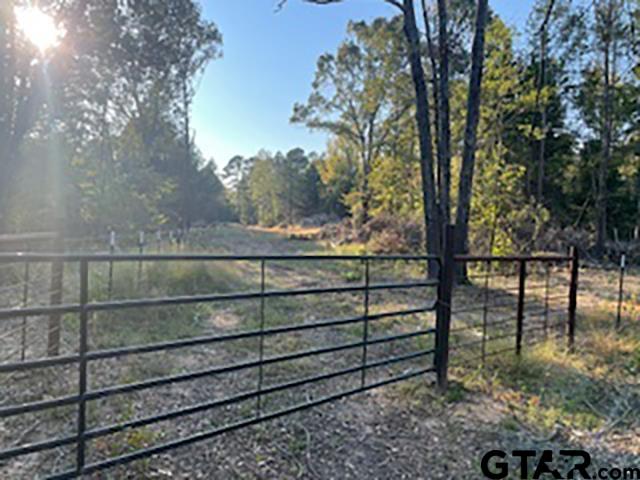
(112, 249)
(485, 311)
(55, 298)
(25, 304)
(522, 277)
(261, 344)
(623, 265)
(443, 312)
(141, 252)
(547, 282)
(82, 377)
(573, 298)
(365, 328)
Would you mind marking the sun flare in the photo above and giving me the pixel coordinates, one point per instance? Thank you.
(38, 27)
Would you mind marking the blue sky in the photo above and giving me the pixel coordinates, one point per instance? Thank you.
(245, 98)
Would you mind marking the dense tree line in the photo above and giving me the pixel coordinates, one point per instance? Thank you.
(433, 116)
(274, 189)
(96, 132)
(524, 140)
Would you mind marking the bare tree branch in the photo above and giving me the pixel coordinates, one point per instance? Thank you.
(282, 3)
(396, 4)
(547, 17)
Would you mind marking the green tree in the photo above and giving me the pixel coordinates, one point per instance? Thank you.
(23, 87)
(353, 95)
(266, 186)
(505, 218)
(292, 169)
(125, 66)
(236, 175)
(608, 76)
(339, 169)
(208, 203)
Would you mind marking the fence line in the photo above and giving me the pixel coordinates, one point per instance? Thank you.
(85, 307)
(537, 313)
(525, 324)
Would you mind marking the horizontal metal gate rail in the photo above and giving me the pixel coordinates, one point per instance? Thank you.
(525, 313)
(84, 308)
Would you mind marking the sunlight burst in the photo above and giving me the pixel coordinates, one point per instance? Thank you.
(38, 27)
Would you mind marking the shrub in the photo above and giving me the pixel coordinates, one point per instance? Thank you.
(382, 234)
(386, 234)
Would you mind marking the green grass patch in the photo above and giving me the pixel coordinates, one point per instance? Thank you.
(132, 326)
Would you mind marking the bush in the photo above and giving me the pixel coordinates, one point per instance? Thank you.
(382, 234)
(386, 235)
(339, 233)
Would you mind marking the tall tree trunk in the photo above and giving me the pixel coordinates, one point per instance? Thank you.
(607, 125)
(367, 160)
(444, 110)
(184, 174)
(366, 193)
(7, 107)
(470, 134)
(541, 107)
(433, 230)
(435, 82)
(542, 157)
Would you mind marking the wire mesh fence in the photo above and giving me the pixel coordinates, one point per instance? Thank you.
(509, 304)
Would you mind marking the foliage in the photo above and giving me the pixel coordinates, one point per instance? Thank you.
(357, 95)
(99, 131)
(506, 215)
(111, 109)
(339, 172)
(273, 189)
(393, 235)
(505, 219)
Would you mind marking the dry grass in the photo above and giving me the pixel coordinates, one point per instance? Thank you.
(291, 231)
(548, 398)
